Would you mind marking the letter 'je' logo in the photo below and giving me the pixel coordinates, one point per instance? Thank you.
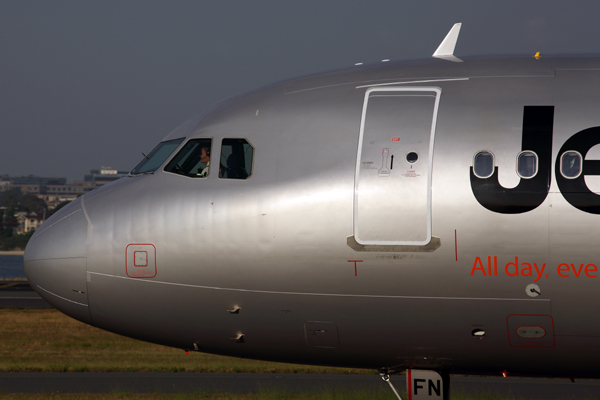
(538, 124)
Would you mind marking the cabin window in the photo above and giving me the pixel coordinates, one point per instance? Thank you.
(193, 160)
(527, 164)
(236, 159)
(412, 157)
(483, 164)
(570, 164)
(152, 161)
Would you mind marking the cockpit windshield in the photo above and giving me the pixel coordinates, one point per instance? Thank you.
(152, 161)
(193, 160)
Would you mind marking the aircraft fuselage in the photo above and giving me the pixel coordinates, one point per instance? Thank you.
(387, 216)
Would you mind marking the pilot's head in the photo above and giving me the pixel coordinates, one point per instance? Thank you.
(205, 154)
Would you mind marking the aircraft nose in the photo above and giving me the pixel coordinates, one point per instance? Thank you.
(55, 261)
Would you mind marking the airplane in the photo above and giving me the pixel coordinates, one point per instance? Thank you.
(436, 216)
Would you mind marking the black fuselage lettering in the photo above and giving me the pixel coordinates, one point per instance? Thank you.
(530, 193)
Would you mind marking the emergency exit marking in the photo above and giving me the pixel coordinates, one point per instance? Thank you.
(395, 139)
(355, 261)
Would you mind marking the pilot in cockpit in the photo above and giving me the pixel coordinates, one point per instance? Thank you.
(205, 159)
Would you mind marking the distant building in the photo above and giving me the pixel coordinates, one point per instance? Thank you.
(37, 180)
(34, 189)
(56, 194)
(52, 194)
(28, 222)
(56, 190)
(104, 175)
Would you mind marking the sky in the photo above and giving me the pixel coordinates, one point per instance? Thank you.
(85, 84)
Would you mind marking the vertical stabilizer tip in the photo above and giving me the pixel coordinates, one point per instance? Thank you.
(445, 50)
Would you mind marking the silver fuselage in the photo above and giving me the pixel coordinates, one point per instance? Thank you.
(333, 256)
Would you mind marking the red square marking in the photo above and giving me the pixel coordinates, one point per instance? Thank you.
(140, 258)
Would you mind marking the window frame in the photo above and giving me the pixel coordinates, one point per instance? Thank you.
(537, 164)
(186, 175)
(562, 156)
(493, 163)
(251, 164)
(150, 155)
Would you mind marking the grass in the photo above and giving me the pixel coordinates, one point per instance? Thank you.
(45, 340)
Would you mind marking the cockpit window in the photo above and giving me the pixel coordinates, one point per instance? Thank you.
(193, 160)
(152, 161)
(236, 159)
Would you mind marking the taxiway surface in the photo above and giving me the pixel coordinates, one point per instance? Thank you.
(532, 389)
(19, 294)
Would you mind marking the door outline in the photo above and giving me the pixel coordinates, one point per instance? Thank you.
(438, 92)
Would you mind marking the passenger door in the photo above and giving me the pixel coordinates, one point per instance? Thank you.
(392, 196)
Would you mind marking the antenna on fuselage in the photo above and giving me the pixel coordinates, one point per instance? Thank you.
(445, 50)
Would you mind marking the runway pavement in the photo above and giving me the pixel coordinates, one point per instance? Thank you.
(19, 294)
(526, 388)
